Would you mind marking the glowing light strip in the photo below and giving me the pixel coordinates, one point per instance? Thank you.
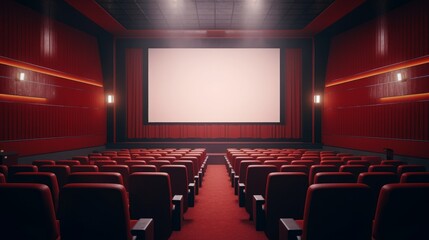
(47, 71)
(417, 96)
(378, 71)
(22, 98)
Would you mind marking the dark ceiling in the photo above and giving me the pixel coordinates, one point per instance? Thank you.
(214, 14)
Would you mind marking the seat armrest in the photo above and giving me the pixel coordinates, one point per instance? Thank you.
(236, 178)
(177, 212)
(200, 178)
(231, 177)
(191, 194)
(143, 229)
(289, 229)
(197, 184)
(258, 212)
(241, 194)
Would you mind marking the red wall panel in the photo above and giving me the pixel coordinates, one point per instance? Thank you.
(73, 114)
(355, 115)
(136, 129)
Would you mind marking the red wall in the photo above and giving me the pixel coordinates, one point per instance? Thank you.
(354, 114)
(136, 129)
(50, 53)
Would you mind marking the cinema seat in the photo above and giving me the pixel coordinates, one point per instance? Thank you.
(295, 168)
(376, 180)
(255, 184)
(410, 168)
(334, 177)
(320, 168)
(345, 159)
(142, 168)
(69, 163)
(134, 162)
(415, 177)
(27, 212)
(2, 178)
(382, 168)
(359, 162)
(61, 171)
(124, 170)
(374, 160)
(307, 163)
(39, 163)
(337, 163)
(192, 178)
(334, 212)
(284, 198)
(241, 178)
(277, 163)
(402, 212)
(150, 197)
(12, 170)
(4, 170)
(315, 159)
(179, 184)
(100, 163)
(159, 163)
(354, 169)
(82, 159)
(84, 168)
(96, 177)
(395, 163)
(46, 178)
(120, 159)
(99, 211)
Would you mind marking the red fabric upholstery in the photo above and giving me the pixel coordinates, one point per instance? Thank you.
(69, 163)
(376, 180)
(2, 178)
(84, 168)
(277, 163)
(402, 212)
(320, 168)
(243, 169)
(39, 163)
(94, 211)
(96, 177)
(120, 159)
(337, 163)
(256, 182)
(354, 169)
(382, 168)
(159, 163)
(393, 162)
(359, 162)
(411, 168)
(295, 168)
(12, 170)
(100, 163)
(374, 160)
(61, 171)
(345, 159)
(284, 198)
(315, 159)
(47, 178)
(82, 159)
(334, 177)
(27, 212)
(178, 181)
(134, 162)
(4, 170)
(415, 177)
(189, 168)
(142, 168)
(337, 212)
(124, 170)
(150, 197)
(308, 163)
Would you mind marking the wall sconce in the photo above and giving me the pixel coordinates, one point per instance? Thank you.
(110, 99)
(400, 77)
(21, 76)
(317, 99)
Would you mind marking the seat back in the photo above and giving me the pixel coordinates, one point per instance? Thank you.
(376, 180)
(243, 169)
(12, 170)
(256, 182)
(354, 169)
(100, 163)
(84, 168)
(159, 163)
(189, 168)
(2, 178)
(69, 163)
(402, 212)
(39, 163)
(178, 181)
(374, 160)
(150, 197)
(134, 162)
(142, 168)
(124, 170)
(4, 170)
(393, 162)
(359, 162)
(337, 211)
(307, 163)
(62, 173)
(382, 168)
(284, 198)
(410, 168)
(320, 168)
(415, 177)
(337, 163)
(295, 168)
(82, 159)
(27, 212)
(47, 178)
(96, 177)
(94, 211)
(277, 163)
(334, 177)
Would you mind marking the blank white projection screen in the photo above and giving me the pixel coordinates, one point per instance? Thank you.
(214, 85)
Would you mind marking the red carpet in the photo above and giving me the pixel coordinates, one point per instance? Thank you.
(216, 214)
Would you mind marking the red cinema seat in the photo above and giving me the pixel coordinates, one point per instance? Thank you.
(150, 197)
(124, 170)
(277, 163)
(354, 169)
(410, 168)
(395, 163)
(242, 171)
(376, 180)
(334, 212)
(320, 168)
(337, 163)
(295, 168)
(101, 163)
(121, 159)
(47, 178)
(69, 163)
(179, 184)
(159, 163)
(334, 177)
(402, 212)
(134, 162)
(374, 160)
(2, 178)
(284, 198)
(62, 173)
(27, 213)
(99, 211)
(382, 168)
(192, 178)
(359, 162)
(345, 159)
(415, 177)
(82, 159)
(84, 168)
(308, 163)
(142, 168)
(4, 170)
(39, 163)
(12, 170)
(96, 177)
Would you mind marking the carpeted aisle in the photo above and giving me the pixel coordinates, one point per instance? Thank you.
(216, 214)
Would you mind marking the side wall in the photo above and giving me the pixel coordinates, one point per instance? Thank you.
(60, 104)
(365, 107)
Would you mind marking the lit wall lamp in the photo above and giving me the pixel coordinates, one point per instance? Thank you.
(21, 76)
(317, 99)
(400, 77)
(110, 99)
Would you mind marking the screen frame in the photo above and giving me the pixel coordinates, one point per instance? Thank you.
(212, 43)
